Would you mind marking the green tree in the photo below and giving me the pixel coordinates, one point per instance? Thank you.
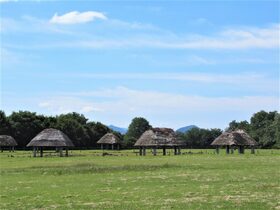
(276, 124)
(264, 129)
(5, 127)
(192, 138)
(95, 131)
(74, 126)
(208, 136)
(244, 125)
(136, 128)
(25, 125)
(200, 138)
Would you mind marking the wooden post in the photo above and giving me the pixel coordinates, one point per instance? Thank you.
(241, 150)
(140, 151)
(118, 146)
(13, 149)
(1, 149)
(101, 146)
(112, 146)
(164, 150)
(227, 149)
(217, 150)
(34, 151)
(41, 151)
(66, 152)
(175, 150)
(252, 150)
(179, 150)
(144, 151)
(231, 150)
(154, 151)
(60, 152)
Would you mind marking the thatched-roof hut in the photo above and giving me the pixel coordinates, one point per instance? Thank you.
(50, 138)
(109, 139)
(158, 138)
(237, 138)
(7, 142)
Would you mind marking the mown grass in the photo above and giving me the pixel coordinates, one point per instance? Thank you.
(87, 180)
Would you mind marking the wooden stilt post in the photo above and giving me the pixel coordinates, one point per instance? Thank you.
(252, 150)
(61, 152)
(227, 149)
(13, 149)
(217, 150)
(34, 151)
(41, 151)
(179, 150)
(101, 146)
(241, 150)
(154, 151)
(175, 150)
(144, 151)
(231, 150)
(140, 151)
(66, 152)
(112, 146)
(164, 150)
(118, 146)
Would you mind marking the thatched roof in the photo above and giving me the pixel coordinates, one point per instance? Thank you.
(51, 138)
(237, 137)
(7, 141)
(109, 138)
(158, 137)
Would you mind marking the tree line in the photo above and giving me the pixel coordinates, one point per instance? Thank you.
(264, 127)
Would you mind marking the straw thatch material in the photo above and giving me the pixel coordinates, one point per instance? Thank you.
(159, 137)
(109, 138)
(51, 138)
(7, 141)
(237, 138)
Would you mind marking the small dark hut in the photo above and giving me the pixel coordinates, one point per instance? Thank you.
(109, 140)
(237, 138)
(156, 138)
(7, 142)
(50, 138)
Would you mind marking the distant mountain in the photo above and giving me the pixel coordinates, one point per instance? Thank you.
(186, 128)
(118, 129)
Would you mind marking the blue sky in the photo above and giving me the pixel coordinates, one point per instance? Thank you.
(173, 62)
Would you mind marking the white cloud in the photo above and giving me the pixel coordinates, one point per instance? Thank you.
(233, 39)
(248, 80)
(119, 105)
(140, 100)
(129, 36)
(77, 17)
(65, 104)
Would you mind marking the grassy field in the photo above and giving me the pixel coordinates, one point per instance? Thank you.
(87, 180)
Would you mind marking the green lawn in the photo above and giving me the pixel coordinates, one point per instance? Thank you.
(87, 180)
